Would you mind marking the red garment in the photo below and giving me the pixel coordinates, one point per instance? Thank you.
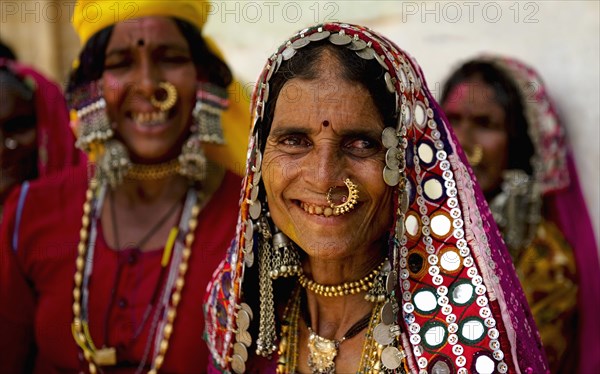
(36, 283)
(56, 142)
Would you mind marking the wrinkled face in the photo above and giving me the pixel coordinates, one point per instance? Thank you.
(18, 156)
(479, 120)
(141, 54)
(324, 131)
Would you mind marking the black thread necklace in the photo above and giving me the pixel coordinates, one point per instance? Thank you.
(139, 245)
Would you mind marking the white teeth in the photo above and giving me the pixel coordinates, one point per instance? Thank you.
(150, 119)
(318, 210)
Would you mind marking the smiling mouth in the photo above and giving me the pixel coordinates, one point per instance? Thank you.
(149, 119)
(317, 210)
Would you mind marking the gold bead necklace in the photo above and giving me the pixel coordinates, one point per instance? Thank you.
(153, 171)
(171, 294)
(347, 288)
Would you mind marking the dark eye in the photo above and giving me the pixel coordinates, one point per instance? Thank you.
(362, 146)
(294, 141)
(120, 62)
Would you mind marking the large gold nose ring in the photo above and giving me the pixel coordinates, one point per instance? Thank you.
(475, 156)
(348, 202)
(167, 96)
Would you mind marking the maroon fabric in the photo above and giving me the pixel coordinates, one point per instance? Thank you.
(56, 142)
(36, 282)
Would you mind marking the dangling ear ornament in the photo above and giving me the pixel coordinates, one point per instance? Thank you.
(348, 202)
(167, 97)
(475, 156)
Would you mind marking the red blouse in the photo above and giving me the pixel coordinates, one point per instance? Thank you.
(36, 284)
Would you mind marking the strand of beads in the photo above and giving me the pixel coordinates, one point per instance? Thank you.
(347, 288)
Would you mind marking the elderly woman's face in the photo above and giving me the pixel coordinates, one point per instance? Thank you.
(324, 131)
(141, 54)
(479, 120)
(17, 137)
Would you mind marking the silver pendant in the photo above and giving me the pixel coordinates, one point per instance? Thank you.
(366, 53)
(319, 36)
(392, 358)
(254, 193)
(244, 337)
(389, 138)
(240, 350)
(255, 209)
(390, 282)
(238, 364)
(382, 334)
(248, 310)
(389, 83)
(288, 53)
(387, 313)
(357, 45)
(391, 177)
(249, 258)
(243, 320)
(340, 39)
(299, 43)
(392, 159)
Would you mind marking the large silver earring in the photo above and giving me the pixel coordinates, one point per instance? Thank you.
(211, 100)
(265, 343)
(113, 163)
(286, 260)
(90, 120)
(192, 159)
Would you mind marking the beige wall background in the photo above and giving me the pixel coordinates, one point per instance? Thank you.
(561, 39)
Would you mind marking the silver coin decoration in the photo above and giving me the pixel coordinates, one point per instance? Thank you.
(258, 160)
(404, 201)
(299, 43)
(248, 246)
(366, 53)
(319, 36)
(390, 281)
(254, 193)
(382, 334)
(238, 364)
(340, 39)
(392, 159)
(389, 137)
(243, 320)
(381, 61)
(256, 179)
(265, 96)
(390, 176)
(272, 67)
(255, 208)
(288, 53)
(400, 229)
(244, 337)
(357, 45)
(240, 350)
(249, 258)
(389, 83)
(249, 233)
(387, 313)
(392, 358)
(248, 310)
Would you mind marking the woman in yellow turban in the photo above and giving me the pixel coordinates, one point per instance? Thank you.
(103, 269)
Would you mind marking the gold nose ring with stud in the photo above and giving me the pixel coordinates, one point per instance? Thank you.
(348, 203)
(170, 97)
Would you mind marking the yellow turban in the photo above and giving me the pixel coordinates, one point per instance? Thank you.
(91, 16)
